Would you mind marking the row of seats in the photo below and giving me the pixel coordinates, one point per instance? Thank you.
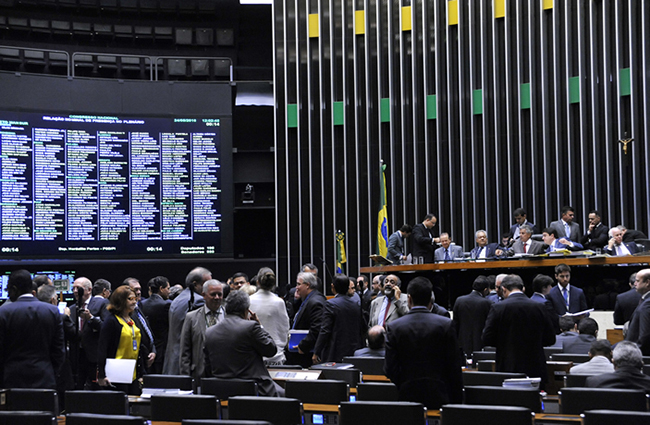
(157, 7)
(114, 65)
(118, 33)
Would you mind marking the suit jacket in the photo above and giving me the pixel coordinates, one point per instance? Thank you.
(395, 247)
(639, 328)
(90, 332)
(422, 358)
(574, 227)
(595, 366)
(514, 229)
(341, 329)
(234, 349)
(455, 251)
(397, 309)
(148, 342)
(491, 251)
(537, 297)
(631, 246)
(624, 377)
(519, 328)
(308, 317)
(272, 313)
(577, 300)
(535, 248)
(156, 309)
(470, 313)
(563, 337)
(191, 361)
(631, 235)
(177, 312)
(579, 345)
(626, 303)
(558, 246)
(422, 242)
(31, 344)
(596, 239)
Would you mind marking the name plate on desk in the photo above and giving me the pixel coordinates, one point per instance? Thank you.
(294, 374)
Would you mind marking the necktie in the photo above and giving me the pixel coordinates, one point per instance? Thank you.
(567, 230)
(447, 258)
(619, 250)
(480, 250)
(143, 321)
(525, 247)
(566, 297)
(383, 320)
(212, 319)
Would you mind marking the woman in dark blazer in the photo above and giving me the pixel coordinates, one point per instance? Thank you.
(120, 339)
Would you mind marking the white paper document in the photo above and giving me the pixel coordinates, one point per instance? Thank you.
(120, 371)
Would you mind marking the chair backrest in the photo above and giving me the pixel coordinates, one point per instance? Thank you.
(181, 382)
(33, 399)
(12, 417)
(549, 351)
(608, 417)
(99, 402)
(225, 388)
(320, 391)
(377, 391)
(95, 419)
(175, 408)
(494, 379)
(351, 376)
(277, 410)
(569, 357)
(382, 413)
(496, 396)
(484, 355)
(574, 401)
(573, 380)
(367, 365)
(462, 414)
(223, 422)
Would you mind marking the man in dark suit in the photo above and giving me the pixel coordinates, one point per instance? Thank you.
(521, 220)
(424, 238)
(79, 314)
(630, 235)
(542, 286)
(308, 317)
(422, 352)
(639, 329)
(587, 333)
(626, 303)
(565, 297)
(236, 347)
(483, 249)
(342, 325)
(550, 237)
(616, 246)
(596, 236)
(32, 347)
(147, 343)
(470, 313)
(397, 244)
(447, 252)
(628, 364)
(525, 245)
(565, 226)
(96, 314)
(156, 309)
(519, 329)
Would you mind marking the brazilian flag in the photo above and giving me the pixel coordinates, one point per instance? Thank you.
(382, 219)
(340, 251)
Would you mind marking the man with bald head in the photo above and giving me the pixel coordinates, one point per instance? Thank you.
(390, 304)
(189, 299)
(639, 328)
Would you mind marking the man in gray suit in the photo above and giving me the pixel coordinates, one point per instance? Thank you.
(188, 300)
(391, 304)
(565, 226)
(525, 245)
(235, 348)
(397, 243)
(194, 327)
(448, 252)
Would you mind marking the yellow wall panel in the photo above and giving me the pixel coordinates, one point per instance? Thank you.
(499, 9)
(313, 25)
(406, 18)
(360, 22)
(452, 12)
(547, 4)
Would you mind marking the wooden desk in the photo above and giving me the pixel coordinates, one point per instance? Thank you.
(539, 417)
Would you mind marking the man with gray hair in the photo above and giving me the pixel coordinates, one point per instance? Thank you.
(308, 317)
(188, 300)
(194, 328)
(628, 364)
(235, 348)
(524, 244)
(483, 250)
